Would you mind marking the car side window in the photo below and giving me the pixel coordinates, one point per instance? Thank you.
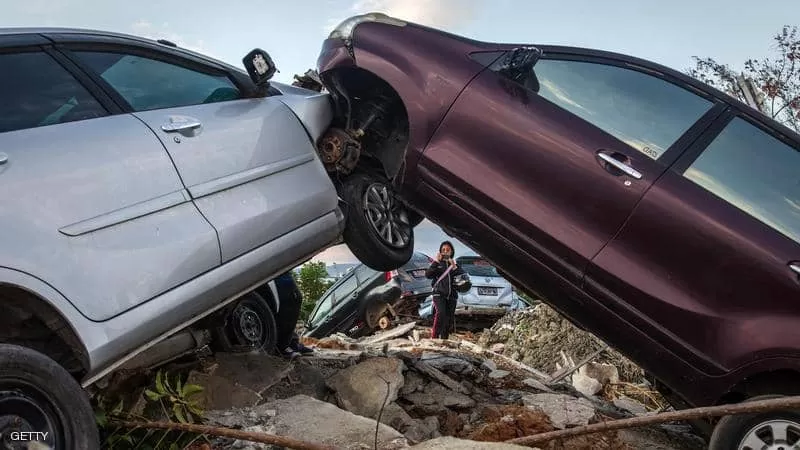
(644, 111)
(148, 84)
(325, 306)
(37, 91)
(755, 172)
(364, 273)
(345, 289)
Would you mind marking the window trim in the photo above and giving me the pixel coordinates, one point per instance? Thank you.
(143, 52)
(94, 91)
(682, 144)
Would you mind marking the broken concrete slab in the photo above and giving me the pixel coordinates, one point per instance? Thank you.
(256, 371)
(563, 410)
(437, 375)
(630, 405)
(435, 397)
(497, 374)
(301, 417)
(536, 384)
(451, 443)
(222, 393)
(444, 362)
(413, 382)
(363, 389)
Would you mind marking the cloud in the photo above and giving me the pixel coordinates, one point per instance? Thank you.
(444, 14)
(148, 30)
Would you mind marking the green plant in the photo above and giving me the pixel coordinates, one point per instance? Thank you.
(312, 284)
(182, 404)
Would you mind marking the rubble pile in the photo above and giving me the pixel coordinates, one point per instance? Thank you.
(540, 337)
(416, 392)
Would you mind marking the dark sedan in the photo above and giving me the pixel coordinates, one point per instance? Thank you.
(646, 206)
(364, 300)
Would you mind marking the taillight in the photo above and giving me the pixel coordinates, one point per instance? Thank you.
(389, 275)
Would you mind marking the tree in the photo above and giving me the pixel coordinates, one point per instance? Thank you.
(776, 79)
(312, 284)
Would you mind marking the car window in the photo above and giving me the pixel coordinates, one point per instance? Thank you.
(364, 273)
(148, 84)
(755, 172)
(477, 267)
(37, 91)
(345, 289)
(417, 261)
(322, 310)
(645, 112)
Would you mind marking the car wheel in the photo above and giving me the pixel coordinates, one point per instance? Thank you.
(38, 395)
(414, 218)
(378, 230)
(774, 429)
(249, 325)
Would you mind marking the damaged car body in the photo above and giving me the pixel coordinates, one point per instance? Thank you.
(621, 192)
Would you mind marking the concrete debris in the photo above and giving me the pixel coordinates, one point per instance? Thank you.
(433, 393)
(563, 410)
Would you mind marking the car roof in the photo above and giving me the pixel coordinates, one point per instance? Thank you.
(49, 32)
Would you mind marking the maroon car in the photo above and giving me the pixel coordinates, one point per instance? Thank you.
(645, 206)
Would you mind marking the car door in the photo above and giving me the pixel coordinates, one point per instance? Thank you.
(557, 161)
(332, 310)
(91, 203)
(709, 263)
(248, 163)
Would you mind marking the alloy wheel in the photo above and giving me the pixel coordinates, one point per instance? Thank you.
(772, 435)
(387, 216)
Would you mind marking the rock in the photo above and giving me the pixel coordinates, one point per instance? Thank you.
(490, 365)
(413, 383)
(362, 389)
(445, 363)
(451, 443)
(587, 386)
(256, 371)
(498, 347)
(536, 384)
(299, 417)
(630, 405)
(563, 410)
(222, 393)
(436, 397)
(604, 373)
(497, 374)
(247, 445)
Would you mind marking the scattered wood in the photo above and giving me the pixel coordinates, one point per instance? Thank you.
(250, 436)
(563, 373)
(672, 416)
(477, 349)
(400, 331)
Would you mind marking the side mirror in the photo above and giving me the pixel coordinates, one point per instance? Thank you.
(518, 63)
(259, 66)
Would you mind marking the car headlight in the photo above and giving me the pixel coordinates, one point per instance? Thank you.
(345, 29)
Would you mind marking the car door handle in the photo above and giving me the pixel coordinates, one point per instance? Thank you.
(180, 124)
(3, 158)
(625, 168)
(795, 268)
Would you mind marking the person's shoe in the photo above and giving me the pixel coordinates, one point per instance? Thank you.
(301, 349)
(289, 353)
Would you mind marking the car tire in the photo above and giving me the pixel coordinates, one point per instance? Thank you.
(732, 431)
(249, 325)
(367, 198)
(414, 217)
(45, 397)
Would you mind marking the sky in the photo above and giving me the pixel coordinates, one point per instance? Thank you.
(669, 33)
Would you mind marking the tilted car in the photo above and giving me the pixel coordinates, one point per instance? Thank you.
(365, 300)
(145, 187)
(647, 207)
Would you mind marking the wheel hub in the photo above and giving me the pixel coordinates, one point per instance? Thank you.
(21, 412)
(250, 328)
(387, 216)
(772, 435)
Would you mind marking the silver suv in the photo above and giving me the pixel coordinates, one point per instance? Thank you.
(143, 188)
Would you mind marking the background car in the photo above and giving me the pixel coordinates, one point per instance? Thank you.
(642, 204)
(490, 297)
(364, 300)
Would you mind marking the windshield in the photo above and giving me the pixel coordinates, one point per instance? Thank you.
(477, 267)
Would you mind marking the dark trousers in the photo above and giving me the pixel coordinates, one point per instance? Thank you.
(444, 310)
(287, 316)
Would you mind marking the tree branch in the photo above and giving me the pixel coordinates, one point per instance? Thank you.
(687, 414)
(262, 438)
